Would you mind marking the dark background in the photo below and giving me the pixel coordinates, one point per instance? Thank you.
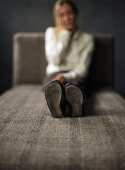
(95, 16)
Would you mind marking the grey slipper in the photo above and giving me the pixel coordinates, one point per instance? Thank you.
(55, 95)
(77, 98)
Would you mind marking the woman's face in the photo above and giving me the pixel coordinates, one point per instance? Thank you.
(66, 16)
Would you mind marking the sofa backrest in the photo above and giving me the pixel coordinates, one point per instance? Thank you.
(102, 66)
(29, 61)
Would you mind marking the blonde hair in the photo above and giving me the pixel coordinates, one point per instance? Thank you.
(58, 5)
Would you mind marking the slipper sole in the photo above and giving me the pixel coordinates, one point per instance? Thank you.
(75, 97)
(53, 95)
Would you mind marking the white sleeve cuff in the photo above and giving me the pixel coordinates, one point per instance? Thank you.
(69, 75)
(65, 35)
(65, 32)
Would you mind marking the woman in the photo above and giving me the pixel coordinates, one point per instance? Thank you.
(68, 52)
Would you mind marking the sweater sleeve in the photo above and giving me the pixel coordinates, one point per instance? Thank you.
(54, 48)
(82, 69)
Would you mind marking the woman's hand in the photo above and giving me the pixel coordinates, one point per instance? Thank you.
(60, 28)
(64, 27)
(60, 77)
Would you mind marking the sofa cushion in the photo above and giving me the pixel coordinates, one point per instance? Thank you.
(30, 138)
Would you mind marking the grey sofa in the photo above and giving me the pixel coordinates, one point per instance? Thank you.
(31, 139)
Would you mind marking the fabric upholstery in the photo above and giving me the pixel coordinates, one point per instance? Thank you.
(29, 60)
(31, 139)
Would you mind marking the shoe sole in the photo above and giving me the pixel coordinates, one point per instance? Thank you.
(75, 97)
(53, 95)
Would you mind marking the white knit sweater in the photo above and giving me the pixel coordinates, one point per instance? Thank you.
(73, 54)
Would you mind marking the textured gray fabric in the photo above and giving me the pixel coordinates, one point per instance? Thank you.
(29, 61)
(31, 139)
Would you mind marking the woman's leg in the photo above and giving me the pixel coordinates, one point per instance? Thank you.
(84, 82)
(48, 78)
(77, 93)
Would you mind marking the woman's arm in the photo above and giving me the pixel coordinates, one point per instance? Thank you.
(81, 70)
(54, 48)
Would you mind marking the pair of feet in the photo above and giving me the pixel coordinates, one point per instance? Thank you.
(59, 97)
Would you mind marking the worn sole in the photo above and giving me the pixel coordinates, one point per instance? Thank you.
(53, 94)
(75, 97)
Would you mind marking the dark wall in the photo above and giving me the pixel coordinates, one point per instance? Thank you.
(95, 16)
